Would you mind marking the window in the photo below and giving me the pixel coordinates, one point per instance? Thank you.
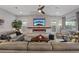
(71, 24)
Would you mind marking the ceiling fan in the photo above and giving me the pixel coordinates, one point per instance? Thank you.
(40, 9)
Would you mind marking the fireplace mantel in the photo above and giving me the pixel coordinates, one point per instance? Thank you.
(40, 27)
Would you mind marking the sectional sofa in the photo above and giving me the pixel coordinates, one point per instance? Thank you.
(39, 46)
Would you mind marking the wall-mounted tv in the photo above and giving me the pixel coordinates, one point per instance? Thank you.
(39, 21)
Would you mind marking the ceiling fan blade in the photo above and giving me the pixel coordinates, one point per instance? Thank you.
(42, 12)
(40, 8)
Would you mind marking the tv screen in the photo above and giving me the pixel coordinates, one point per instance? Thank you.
(39, 21)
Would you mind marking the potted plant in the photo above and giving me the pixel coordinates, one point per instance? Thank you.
(17, 24)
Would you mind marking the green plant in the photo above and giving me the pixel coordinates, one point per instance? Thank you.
(17, 24)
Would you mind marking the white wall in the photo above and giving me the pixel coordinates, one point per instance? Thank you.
(8, 18)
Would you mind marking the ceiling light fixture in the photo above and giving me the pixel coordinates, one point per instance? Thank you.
(40, 9)
(16, 7)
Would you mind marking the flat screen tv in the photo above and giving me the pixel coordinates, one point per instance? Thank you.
(39, 21)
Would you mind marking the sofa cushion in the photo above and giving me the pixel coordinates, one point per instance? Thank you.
(65, 46)
(39, 46)
(20, 38)
(1, 41)
(13, 46)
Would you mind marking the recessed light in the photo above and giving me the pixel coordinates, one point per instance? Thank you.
(21, 12)
(16, 7)
(57, 13)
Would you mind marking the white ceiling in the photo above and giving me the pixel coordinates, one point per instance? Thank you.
(53, 10)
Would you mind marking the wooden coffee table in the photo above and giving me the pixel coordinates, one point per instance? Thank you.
(40, 38)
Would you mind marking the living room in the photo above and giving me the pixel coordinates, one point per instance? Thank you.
(44, 25)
